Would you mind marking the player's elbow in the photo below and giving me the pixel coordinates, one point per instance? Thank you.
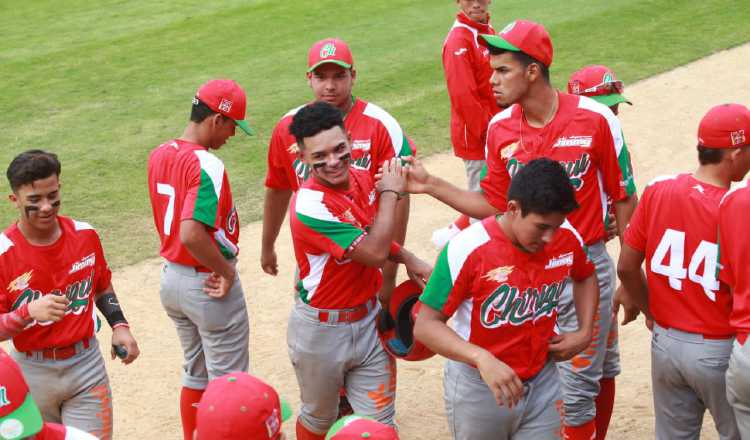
(191, 233)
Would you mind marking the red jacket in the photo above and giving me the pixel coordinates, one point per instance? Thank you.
(467, 72)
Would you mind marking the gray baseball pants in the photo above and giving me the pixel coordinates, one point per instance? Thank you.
(580, 376)
(74, 391)
(329, 355)
(738, 386)
(473, 413)
(214, 333)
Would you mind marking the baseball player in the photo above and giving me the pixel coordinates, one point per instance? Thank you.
(198, 227)
(355, 427)
(342, 229)
(376, 137)
(734, 242)
(600, 84)
(585, 137)
(238, 406)
(467, 74)
(674, 231)
(501, 279)
(19, 415)
(52, 272)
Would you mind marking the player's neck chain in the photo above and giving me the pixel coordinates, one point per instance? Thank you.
(547, 120)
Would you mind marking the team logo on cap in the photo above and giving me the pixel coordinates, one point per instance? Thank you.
(738, 137)
(575, 87)
(508, 28)
(499, 274)
(225, 105)
(20, 283)
(328, 50)
(4, 397)
(273, 423)
(607, 78)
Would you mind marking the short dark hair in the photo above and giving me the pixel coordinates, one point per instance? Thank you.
(543, 187)
(314, 118)
(30, 166)
(200, 111)
(523, 58)
(709, 156)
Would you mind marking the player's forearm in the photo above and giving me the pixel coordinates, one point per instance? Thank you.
(13, 323)
(202, 247)
(435, 334)
(624, 209)
(466, 202)
(586, 298)
(636, 289)
(109, 306)
(374, 248)
(275, 206)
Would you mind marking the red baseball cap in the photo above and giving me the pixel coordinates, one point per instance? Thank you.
(599, 83)
(19, 415)
(330, 50)
(238, 406)
(356, 427)
(523, 36)
(226, 97)
(725, 126)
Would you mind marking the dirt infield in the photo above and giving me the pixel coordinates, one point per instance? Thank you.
(660, 130)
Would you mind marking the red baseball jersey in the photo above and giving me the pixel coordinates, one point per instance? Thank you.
(584, 136)
(73, 266)
(376, 137)
(326, 224)
(466, 64)
(734, 243)
(504, 299)
(186, 181)
(675, 227)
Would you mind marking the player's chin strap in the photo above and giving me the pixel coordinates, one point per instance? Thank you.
(109, 306)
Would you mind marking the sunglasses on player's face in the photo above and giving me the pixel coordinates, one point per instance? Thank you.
(605, 88)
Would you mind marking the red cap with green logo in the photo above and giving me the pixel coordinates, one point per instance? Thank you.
(356, 427)
(330, 50)
(19, 415)
(725, 126)
(226, 97)
(523, 36)
(238, 406)
(598, 83)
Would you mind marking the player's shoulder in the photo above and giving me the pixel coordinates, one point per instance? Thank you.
(377, 113)
(568, 237)
(740, 192)
(78, 227)
(286, 119)
(505, 116)
(6, 243)
(460, 34)
(469, 241)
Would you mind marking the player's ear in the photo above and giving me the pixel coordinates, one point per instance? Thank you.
(309, 79)
(514, 208)
(353, 71)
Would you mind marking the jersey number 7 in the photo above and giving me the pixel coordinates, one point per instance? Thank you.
(167, 190)
(673, 243)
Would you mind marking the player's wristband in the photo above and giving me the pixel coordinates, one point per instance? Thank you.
(398, 194)
(110, 308)
(121, 324)
(395, 249)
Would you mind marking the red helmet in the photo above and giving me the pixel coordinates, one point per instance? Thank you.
(396, 325)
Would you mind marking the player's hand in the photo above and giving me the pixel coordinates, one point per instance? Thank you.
(502, 380)
(48, 308)
(122, 337)
(268, 261)
(417, 177)
(611, 226)
(564, 346)
(216, 286)
(418, 270)
(391, 177)
(630, 310)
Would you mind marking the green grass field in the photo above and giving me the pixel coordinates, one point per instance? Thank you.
(102, 83)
